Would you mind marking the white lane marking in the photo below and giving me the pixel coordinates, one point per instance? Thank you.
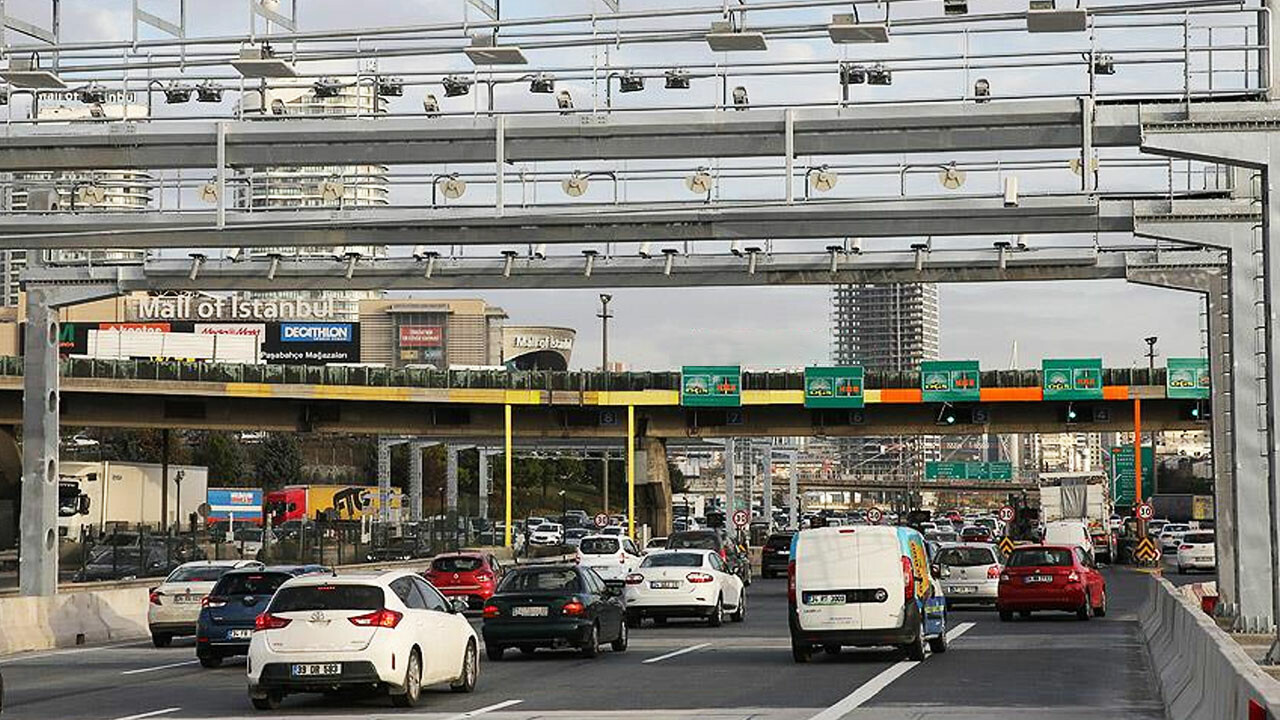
(681, 651)
(159, 667)
(72, 651)
(153, 713)
(872, 687)
(483, 710)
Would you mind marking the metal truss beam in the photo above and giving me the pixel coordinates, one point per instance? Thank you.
(861, 130)
(582, 224)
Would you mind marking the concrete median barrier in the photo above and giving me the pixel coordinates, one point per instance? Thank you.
(1203, 674)
(74, 618)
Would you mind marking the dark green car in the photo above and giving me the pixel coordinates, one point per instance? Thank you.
(554, 606)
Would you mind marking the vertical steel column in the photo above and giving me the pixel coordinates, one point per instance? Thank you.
(766, 465)
(1220, 354)
(38, 562)
(793, 482)
(221, 177)
(789, 143)
(483, 483)
(1271, 296)
(384, 481)
(451, 480)
(631, 471)
(730, 478)
(506, 441)
(500, 162)
(415, 482)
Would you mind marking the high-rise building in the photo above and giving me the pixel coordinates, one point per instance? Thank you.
(318, 186)
(885, 327)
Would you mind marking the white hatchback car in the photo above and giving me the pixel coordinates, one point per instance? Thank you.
(174, 605)
(969, 573)
(611, 556)
(392, 631)
(548, 533)
(1171, 536)
(1197, 552)
(688, 583)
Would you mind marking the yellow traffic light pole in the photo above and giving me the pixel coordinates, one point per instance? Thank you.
(506, 431)
(631, 471)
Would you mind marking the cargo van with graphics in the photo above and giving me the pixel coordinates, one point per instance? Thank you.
(863, 586)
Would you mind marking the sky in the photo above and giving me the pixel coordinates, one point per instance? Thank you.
(772, 327)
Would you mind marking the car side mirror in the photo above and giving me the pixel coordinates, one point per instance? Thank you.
(458, 606)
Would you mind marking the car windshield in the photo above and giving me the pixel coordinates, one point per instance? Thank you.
(675, 559)
(1040, 557)
(201, 573)
(456, 563)
(1198, 538)
(698, 541)
(250, 583)
(778, 542)
(541, 580)
(966, 556)
(1175, 528)
(599, 546)
(973, 530)
(302, 598)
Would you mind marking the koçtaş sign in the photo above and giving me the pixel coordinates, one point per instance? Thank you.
(186, 307)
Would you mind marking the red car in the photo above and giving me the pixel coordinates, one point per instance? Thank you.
(975, 534)
(469, 575)
(1051, 577)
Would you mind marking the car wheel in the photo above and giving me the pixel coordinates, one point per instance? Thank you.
(740, 613)
(801, 653)
(412, 683)
(1101, 610)
(161, 640)
(1086, 609)
(591, 647)
(1024, 614)
(1006, 615)
(494, 652)
(915, 650)
(270, 701)
(470, 670)
(620, 644)
(716, 618)
(210, 660)
(939, 644)
(633, 619)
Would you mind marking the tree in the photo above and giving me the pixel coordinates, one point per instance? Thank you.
(279, 461)
(679, 483)
(225, 458)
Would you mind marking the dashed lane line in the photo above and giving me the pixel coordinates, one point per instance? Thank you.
(153, 713)
(487, 709)
(23, 657)
(139, 671)
(675, 653)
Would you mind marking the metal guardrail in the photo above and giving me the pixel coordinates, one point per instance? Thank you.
(579, 381)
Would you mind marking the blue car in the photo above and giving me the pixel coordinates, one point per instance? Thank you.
(227, 615)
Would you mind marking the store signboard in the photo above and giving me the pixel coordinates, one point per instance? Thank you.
(421, 336)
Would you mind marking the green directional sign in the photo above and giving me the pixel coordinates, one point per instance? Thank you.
(833, 387)
(711, 386)
(1122, 475)
(1076, 379)
(950, 381)
(1187, 378)
(936, 470)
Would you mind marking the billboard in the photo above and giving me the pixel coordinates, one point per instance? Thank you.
(421, 336)
(282, 343)
(245, 504)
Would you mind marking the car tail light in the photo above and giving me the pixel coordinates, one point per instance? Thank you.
(491, 611)
(635, 579)
(154, 598)
(791, 581)
(484, 577)
(993, 572)
(622, 558)
(212, 602)
(724, 555)
(699, 577)
(908, 579)
(1184, 547)
(379, 618)
(1073, 577)
(573, 607)
(267, 621)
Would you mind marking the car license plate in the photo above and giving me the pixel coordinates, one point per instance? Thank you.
(317, 669)
(664, 584)
(836, 599)
(1031, 579)
(964, 589)
(529, 611)
(243, 634)
(186, 599)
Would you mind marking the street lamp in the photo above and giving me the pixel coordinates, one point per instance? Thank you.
(1151, 356)
(564, 508)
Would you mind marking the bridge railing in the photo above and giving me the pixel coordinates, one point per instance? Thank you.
(577, 381)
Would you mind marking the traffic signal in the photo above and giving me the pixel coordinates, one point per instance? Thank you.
(950, 414)
(1084, 413)
(1196, 411)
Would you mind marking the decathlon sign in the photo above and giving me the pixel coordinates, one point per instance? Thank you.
(315, 332)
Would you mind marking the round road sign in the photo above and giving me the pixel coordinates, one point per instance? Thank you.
(875, 515)
(740, 518)
(1006, 514)
(602, 520)
(1145, 511)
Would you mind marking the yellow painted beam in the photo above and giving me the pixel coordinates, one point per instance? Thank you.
(772, 397)
(619, 398)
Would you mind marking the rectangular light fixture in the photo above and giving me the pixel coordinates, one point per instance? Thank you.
(483, 51)
(1042, 16)
(723, 38)
(955, 7)
(260, 63)
(25, 73)
(845, 30)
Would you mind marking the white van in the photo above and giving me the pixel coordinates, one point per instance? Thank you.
(1068, 532)
(865, 585)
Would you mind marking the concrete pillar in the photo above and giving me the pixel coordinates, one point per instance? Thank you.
(766, 466)
(483, 483)
(384, 481)
(415, 482)
(38, 563)
(730, 472)
(451, 479)
(1219, 352)
(793, 492)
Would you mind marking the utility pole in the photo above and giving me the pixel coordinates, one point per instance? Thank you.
(1151, 379)
(604, 316)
